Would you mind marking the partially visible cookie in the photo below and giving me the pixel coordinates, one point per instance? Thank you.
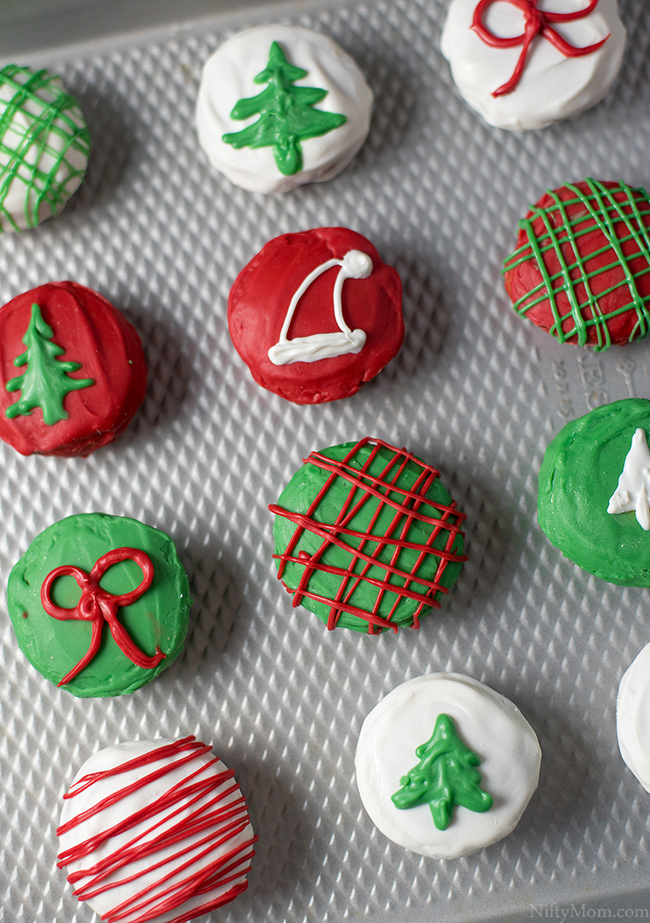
(581, 267)
(316, 314)
(633, 717)
(157, 831)
(445, 765)
(72, 371)
(279, 106)
(44, 147)
(367, 537)
(524, 64)
(594, 490)
(100, 604)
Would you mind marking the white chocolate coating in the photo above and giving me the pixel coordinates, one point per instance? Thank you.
(228, 77)
(151, 869)
(633, 717)
(40, 167)
(488, 723)
(552, 86)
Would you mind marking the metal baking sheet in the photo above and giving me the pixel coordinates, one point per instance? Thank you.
(475, 391)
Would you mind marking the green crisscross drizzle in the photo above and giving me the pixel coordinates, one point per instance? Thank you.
(621, 214)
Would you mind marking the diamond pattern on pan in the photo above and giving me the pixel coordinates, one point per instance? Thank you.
(475, 391)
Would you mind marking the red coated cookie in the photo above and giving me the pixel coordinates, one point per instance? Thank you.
(316, 314)
(581, 269)
(72, 371)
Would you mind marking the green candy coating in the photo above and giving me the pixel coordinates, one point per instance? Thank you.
(158, 618)
(578, 476)
(298, 496)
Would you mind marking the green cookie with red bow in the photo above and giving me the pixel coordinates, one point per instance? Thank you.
(100, 604)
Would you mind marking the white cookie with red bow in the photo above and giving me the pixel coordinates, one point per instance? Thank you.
(525, 64)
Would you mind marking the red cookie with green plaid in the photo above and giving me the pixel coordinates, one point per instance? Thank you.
(581, 267)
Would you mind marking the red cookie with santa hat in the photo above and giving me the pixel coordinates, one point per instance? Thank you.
(316, 314)
(72, 371)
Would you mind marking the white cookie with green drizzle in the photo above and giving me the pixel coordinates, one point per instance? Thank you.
(44, 147)
(445, 765)
(279, 106)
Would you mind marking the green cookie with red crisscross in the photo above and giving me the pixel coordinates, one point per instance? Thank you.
(367, 537)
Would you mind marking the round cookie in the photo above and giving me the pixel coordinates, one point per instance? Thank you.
(44, 147)
(155, 831)
(72, 371)
(279, 106)
(523, 66)
(581, 267)
(316, 314)
(633, 717)
(100, 604)
(445, 765)
(367, 537)
(578, 483)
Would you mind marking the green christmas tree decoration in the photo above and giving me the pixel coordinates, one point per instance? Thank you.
(45, 382)
(446, 776)
(286, 114)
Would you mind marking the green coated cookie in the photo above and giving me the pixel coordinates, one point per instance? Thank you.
(367, 537)
(579, 475)
(100, 604)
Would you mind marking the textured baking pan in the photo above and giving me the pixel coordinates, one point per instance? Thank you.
(475, 391)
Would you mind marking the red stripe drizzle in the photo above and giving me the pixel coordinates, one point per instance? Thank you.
(178, 880)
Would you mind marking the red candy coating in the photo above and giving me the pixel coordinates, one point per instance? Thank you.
(263, 291)
(92, 333)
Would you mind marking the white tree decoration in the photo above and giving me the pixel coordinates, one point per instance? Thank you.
(631, 495)
(355, 265)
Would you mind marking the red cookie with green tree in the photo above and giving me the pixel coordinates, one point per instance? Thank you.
(72, 371)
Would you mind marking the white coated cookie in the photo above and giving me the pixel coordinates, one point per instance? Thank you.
(228, 77)
(633, 717)
(155, 830)
(552, 86)
(486, 722)
(44, 147)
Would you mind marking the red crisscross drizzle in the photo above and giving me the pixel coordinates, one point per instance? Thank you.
(536, 22)
(188, 834)
(407, 509)
(97, 606)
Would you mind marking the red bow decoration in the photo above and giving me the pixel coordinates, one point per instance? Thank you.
(536, 22)
(98, 605)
